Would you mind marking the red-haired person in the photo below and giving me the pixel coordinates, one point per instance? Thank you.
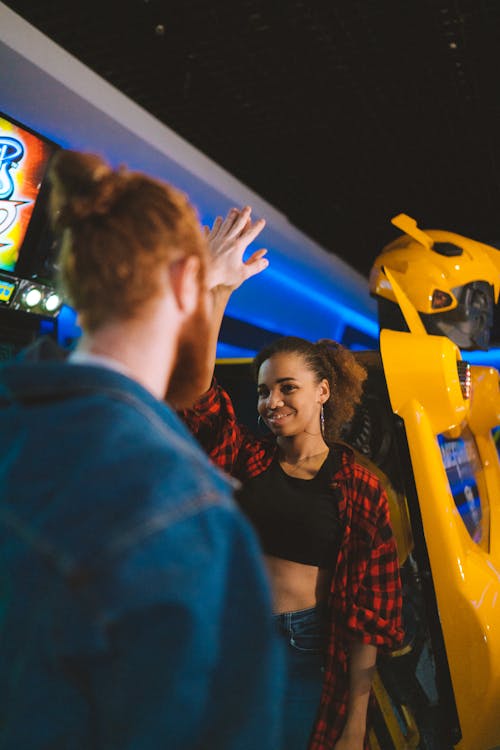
(135, 610)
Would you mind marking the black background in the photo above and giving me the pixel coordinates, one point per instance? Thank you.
(341, 113)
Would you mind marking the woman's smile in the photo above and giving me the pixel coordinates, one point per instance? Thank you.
(276, 418)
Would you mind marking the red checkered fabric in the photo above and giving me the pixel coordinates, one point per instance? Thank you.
(365, 591)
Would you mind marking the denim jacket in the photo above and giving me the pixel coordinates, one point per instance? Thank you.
(134, 612)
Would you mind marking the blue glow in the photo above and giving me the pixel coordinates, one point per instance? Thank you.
(68, 329)
(349, 316)
(293, 297)
(355, 347)
(228, 351)
(461, 462)
(490, 358)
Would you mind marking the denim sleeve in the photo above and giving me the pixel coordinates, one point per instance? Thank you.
(187, 657)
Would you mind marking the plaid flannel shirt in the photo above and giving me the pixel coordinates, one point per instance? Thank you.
(365, 591)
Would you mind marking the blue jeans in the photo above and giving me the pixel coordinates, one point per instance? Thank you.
(304, 633)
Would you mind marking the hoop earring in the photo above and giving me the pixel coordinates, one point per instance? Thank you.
(322, 421)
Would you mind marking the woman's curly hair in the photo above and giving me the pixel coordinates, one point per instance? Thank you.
(327, 360)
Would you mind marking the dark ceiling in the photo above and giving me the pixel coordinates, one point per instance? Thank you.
(341, 113)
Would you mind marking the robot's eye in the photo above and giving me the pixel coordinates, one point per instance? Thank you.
(441, 299)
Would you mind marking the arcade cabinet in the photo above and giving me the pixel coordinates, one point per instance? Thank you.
(439, 448)
(29, 301)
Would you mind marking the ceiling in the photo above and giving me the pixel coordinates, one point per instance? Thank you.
(341, 113)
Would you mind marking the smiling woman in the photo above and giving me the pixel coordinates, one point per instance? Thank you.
(324, 373)
(288, 402)
(322, 518)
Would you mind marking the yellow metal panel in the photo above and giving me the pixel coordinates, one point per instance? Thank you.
(424, 368)
(466, 578)
(485, 399)
(410, 314)
(409, 226)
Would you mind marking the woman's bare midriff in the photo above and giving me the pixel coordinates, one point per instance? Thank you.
(295, 585)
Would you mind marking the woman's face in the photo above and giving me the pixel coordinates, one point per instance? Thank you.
(289, 398)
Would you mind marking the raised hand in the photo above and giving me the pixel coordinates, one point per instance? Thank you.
(227, 240)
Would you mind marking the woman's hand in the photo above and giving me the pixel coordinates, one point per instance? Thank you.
(227, 240)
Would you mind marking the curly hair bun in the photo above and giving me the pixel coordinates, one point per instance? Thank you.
(83, 185)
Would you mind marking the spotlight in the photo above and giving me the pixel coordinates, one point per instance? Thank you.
(32, 297)
(52, 302)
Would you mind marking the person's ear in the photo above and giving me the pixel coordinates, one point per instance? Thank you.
(185, 283)
(324, 391)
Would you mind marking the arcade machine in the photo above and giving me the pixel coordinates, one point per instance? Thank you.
(437, 445)
(29, 302)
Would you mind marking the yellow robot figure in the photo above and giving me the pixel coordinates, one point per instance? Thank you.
(444, 458)
(452, 281)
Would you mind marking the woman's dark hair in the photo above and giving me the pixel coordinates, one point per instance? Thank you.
(330, 361)
(120, 229)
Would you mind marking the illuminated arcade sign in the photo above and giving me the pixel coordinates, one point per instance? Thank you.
(23, 160)
(6, 290)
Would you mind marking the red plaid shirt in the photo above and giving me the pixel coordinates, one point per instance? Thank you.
(365, 591)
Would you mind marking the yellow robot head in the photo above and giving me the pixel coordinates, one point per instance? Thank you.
(452, 281)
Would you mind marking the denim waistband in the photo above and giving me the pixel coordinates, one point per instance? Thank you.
(287, 621)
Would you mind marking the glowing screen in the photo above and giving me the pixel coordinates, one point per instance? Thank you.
(461, 461)
(23, 161)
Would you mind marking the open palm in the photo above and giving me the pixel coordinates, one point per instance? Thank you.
(227, 240)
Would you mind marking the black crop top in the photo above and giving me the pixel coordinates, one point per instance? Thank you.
(296, 519)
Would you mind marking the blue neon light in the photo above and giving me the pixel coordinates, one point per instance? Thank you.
(278, 301)
(348, 315)
(491, 358)
(228, 351)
